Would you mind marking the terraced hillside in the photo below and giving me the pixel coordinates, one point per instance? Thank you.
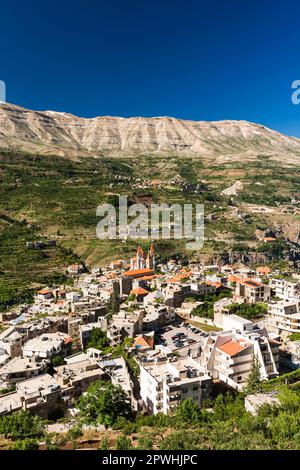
(54, 198)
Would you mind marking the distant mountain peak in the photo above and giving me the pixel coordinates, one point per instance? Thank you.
(52, 132)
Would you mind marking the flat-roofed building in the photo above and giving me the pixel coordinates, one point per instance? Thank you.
(284, 317)
(166, 383)
(48, 345)
(21, 368)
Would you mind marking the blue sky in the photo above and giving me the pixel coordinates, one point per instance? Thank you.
(192, 59)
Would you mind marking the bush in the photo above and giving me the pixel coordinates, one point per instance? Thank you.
(26, 444)
(104, 403)
(124, 443)
(21, 425)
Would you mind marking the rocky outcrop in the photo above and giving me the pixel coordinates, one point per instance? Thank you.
(65, 134)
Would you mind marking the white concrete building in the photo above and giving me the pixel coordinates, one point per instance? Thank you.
(165, 384)
(285, 289)
(284, 317)
(229, 356)
(47, 345)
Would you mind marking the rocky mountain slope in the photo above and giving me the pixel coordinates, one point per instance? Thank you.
(49, 132)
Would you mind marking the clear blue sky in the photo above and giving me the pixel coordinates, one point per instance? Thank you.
(193, 59)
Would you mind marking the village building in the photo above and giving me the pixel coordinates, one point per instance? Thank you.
(165, 384)
(228, 356)
(252, 291)
(20, 368)
(284, 317)
(48, 345)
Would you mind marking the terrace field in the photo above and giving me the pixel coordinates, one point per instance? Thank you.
(50, 197)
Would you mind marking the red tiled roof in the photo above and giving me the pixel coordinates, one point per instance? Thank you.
(139, 291)
(217, 285)
(44, 291)
(138, 272)
(250, 282)
(234, 347)
(148, 278)
(233, 278)
(263, 270)
(143, 341)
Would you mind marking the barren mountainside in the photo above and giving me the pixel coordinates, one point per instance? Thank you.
(50, 132)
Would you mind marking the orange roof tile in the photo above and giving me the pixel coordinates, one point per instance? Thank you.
(148, 278)
(139, 291)
(143, 341)
(250, 282)
(217, 285)
(138, 272)
(68, 340)
(44, 291)
(234, 347)
(263, 270)
(233, 278)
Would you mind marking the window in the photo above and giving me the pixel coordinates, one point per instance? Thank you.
(239, 378)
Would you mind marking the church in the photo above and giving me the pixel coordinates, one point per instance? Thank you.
(141, 261)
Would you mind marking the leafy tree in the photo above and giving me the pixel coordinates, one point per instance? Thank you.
(104, 403)
(188, 412)
(21, 425)
(57, 360)
(98, 339)
(145, 442)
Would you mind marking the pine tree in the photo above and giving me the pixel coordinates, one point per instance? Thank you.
(254, 377)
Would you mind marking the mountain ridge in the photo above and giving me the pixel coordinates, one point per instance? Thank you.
(64, 134)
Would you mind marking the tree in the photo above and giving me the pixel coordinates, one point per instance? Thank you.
(145, 442)
(104, 403)
(98, 339)
(57, 360)
(254, 377)
(104, 443)
(21, 425)
(188, 412)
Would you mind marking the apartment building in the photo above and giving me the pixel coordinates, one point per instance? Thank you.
(75, 378)
(285, 289)
(164, 384)
(119, 375)
(85, 331)
(125, 324)
(284, 317)
(48, 345)
(37, 395)
(252, 291)
(11, 342)
(175, 294)
(19, 369)
(229, 356)
(156, 316)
